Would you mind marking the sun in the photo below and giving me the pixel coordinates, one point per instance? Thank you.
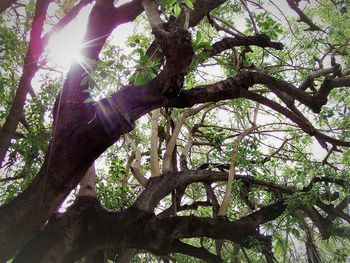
(65, 46)
(63, 49)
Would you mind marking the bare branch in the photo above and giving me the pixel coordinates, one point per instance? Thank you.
(135, 169)
(170, 147)
(257, 40)
(154, 162)
(198, 252)
(293, 5)
(231, 176)
(321, 72)
(250, 16)
(151, 11)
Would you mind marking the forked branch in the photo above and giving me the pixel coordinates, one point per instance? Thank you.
(231, 175)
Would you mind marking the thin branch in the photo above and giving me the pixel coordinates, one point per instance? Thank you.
(268, 158)
(321, 72)
(152, 13)
(198, 252)
(255, 28)
(135, 168)
(293, 5)
(193, 206)
(154, 162)
(9, 179)
(167, 167)
(231, 176)
(220, 28)
(185, 151)
(259, 40)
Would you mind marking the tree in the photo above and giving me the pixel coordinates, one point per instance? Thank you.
(173, 161)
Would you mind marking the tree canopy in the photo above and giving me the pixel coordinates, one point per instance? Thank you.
(217, 131)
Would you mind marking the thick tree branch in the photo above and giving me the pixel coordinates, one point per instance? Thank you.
(88, 183)
(198, 252)
(318, 73)
(247, 79)
(153, 16)
(4, 4)
(331, 210)
(201, 9)
(30, 67)
(238, 87)
(159, 187)
(68, 157)
(259, 40)
(65, 20)
(91, 228)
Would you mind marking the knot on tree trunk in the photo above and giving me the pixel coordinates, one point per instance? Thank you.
(176, 45)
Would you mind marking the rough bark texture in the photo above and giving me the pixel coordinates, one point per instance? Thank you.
(70, 153)
(89, 228)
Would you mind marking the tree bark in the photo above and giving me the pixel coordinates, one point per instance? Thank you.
(92, 228)
(30, 67)
(4, 4)
(154, 162)
(70, 153)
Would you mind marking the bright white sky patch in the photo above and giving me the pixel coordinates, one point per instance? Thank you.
(63, 50)
(64, 47)
(118, 3)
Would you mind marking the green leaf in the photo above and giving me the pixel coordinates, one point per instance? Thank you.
(205, 45)
(295, 232)
(189, 4)
(88, 100)
(176, 9)
(88, 91)
(141, 79)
